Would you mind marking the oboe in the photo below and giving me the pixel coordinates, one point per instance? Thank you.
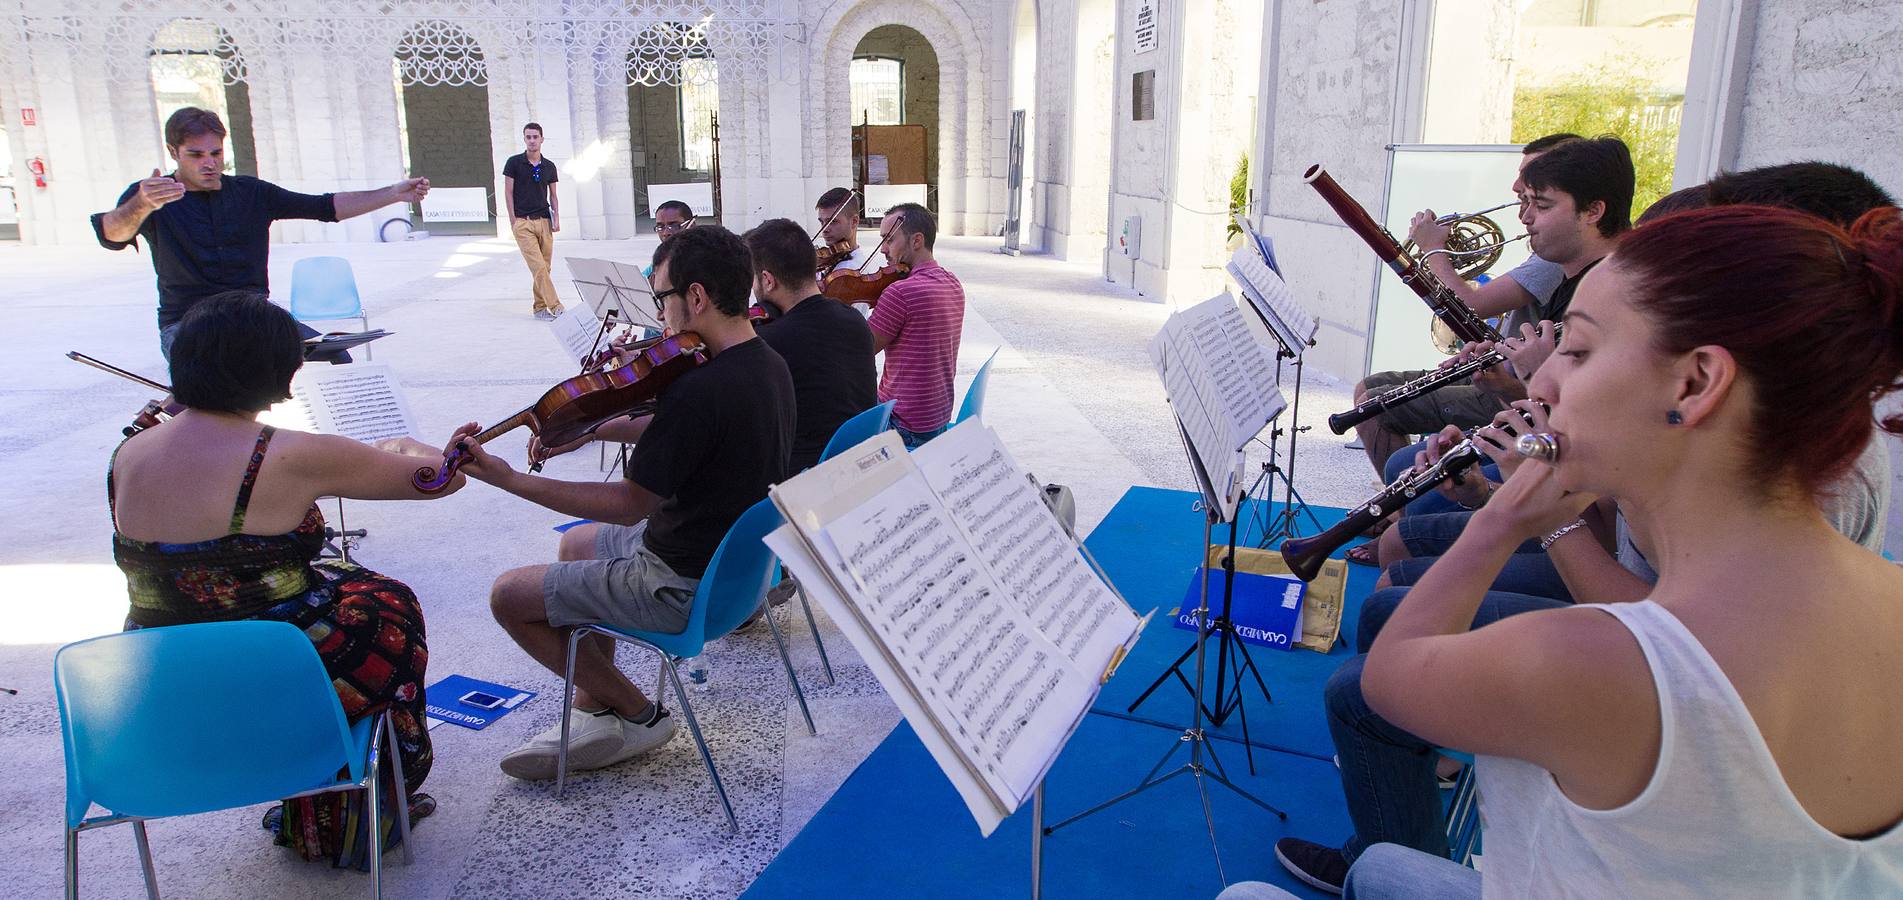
(1306, 555)
(1403, 394)
(1441, 301)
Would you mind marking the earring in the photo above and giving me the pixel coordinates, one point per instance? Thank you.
(1673, 418)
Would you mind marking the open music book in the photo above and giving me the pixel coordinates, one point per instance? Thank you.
(969, 600)
(361, 401)
(1221, 385)
(1253, 268)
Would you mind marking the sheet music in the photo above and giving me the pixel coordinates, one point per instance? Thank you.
(1190, 390)
(1037, 563)
(1008, 696)
(1273, 301)
(578, 330)
(1221, 385)
(361, 401)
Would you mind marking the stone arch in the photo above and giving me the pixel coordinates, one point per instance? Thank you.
(204, 51)
(963, 98)
(443, 83)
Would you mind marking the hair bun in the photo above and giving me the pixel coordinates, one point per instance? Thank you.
(1877, 249)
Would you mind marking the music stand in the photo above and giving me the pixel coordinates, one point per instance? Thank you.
(618, 293)
(1255, 270)
(1213, 427)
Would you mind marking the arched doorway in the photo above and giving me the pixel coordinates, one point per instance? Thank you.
(673, 118)
(1024, 102)
(442, 93)
(895, 112)
(195, 63)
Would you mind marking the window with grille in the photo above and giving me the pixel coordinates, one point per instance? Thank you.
(700, 102)
(878, 91)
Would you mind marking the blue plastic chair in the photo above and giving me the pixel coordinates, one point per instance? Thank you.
(323, 288)
(859, 429)
(975, 394)
(149, 720)
(733, 587)
(1463, 811)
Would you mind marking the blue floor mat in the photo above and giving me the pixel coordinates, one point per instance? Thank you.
(896, 828)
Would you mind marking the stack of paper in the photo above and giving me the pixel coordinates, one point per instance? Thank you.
(1221, 384)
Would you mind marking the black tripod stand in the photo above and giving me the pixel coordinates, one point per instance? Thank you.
(1232, 657)
(1287, 520)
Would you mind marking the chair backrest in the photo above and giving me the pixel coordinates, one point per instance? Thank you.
(736, 580)
(975, 394)
(858, 429)
(324, 287)
(194, 718)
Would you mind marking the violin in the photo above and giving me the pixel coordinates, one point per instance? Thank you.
(825, 258)
(154, 411)
(854, 287)
(576, 407)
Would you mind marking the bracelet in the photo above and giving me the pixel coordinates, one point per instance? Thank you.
(1546, 543)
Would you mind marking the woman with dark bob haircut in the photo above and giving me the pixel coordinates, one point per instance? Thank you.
(215, 519)
(1736, 733)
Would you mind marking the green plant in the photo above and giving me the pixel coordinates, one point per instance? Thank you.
(1238, 196)
(1611, 97)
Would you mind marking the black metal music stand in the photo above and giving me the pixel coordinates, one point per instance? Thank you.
(1195, 736)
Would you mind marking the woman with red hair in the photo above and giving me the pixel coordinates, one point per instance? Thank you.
(1736, 733)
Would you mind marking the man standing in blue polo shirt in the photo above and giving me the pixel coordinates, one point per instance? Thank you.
(209, 232)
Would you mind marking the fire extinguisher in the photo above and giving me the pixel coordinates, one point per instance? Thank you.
(37, 166)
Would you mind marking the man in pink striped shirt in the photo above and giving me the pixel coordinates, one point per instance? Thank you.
(916, 323)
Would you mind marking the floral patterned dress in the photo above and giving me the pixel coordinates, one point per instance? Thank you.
(367, 628)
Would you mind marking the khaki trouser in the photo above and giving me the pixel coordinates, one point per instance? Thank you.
(538, 250)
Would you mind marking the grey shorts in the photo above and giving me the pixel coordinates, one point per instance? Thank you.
(625, 586)
(1459, 404)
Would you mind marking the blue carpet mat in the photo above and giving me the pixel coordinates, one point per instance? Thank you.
(896, 828)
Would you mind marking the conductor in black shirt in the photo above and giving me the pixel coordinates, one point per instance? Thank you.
(718, 439)
(209, 232)
(825, 343)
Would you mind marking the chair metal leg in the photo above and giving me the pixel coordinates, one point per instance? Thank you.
(693, 725)
(813, 624)
(387, 733)
(72, 864)
(373, 794)
(145, 860)
(568, 700)
(787, 662)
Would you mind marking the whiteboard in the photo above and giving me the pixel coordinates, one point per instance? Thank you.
(699, 196)
(1446, 178)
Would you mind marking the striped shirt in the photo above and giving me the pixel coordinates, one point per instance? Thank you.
(921, 316)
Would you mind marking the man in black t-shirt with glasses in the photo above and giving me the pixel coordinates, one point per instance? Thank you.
(535, 214)
(719, 438)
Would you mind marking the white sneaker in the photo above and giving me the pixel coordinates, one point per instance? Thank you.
(591, 737)
(639, 739)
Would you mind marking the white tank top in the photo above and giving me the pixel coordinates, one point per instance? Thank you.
(1716, 820)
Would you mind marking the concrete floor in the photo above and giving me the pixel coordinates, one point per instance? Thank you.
(1072, 393)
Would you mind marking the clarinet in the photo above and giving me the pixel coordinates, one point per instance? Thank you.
(1306, 555)
(1403, 394)
(1441, 301)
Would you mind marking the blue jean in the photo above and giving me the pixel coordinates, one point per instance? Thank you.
(1390, 872)
(1524, 573)
(169, 333)
(1387, 774)
(916, 439)
(1432, 501)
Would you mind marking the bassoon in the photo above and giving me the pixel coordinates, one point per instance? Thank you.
(1441, 300)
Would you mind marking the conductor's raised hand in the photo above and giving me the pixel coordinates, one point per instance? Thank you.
(159, 190)
(412, 189)
(478, 463)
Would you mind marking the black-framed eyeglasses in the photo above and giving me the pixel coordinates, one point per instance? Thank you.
(660, 299)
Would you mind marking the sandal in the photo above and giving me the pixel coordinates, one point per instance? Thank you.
(421, 806)
(1362, 555)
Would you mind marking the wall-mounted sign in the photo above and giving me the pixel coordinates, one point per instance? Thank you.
(1143, 24)
(456, 204)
